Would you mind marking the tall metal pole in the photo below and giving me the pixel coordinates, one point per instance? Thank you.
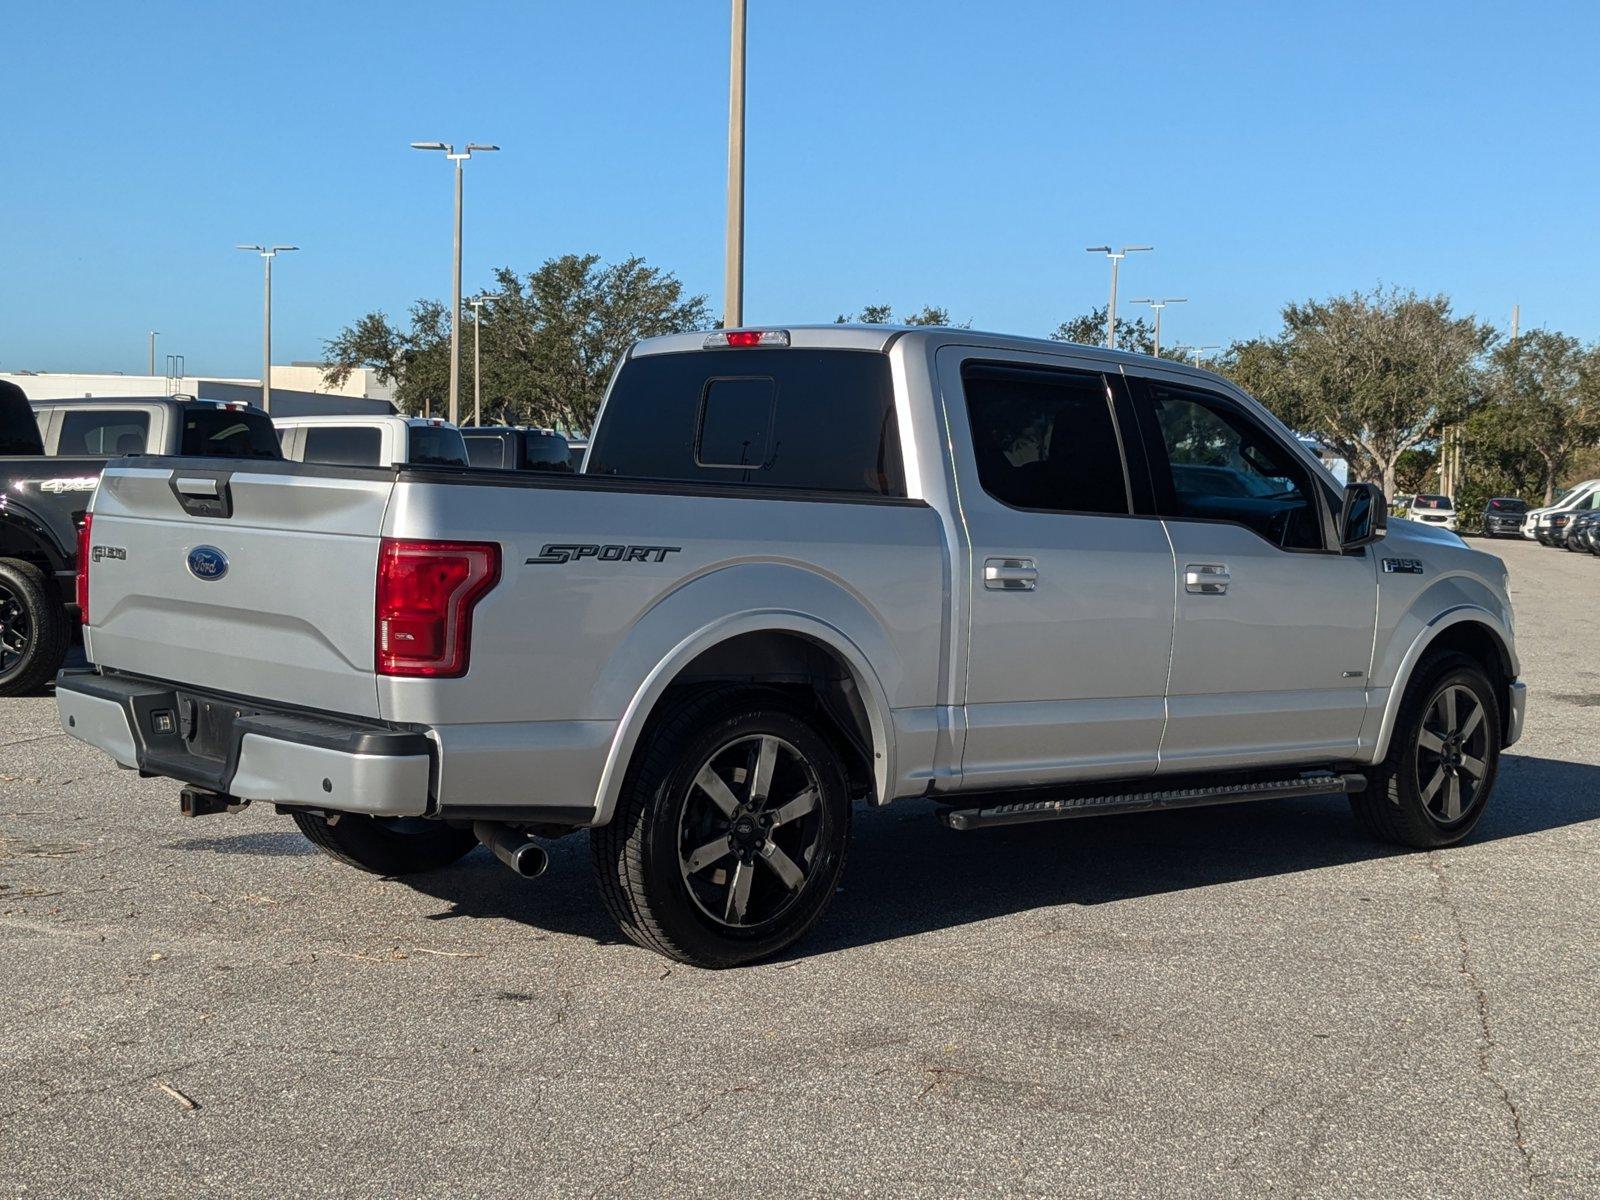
(477, 359)
(153, 333)
(1111, 308)
(455, 310)
(733, 272)
(1516, 320)
(266, 339)
(1157, 306)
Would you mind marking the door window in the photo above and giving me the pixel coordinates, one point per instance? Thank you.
(1213, 463)
(1045, 439)
(488, 450)
(103, 431)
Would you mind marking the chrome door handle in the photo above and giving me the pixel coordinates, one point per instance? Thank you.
(1206, 579)
(1010, 574)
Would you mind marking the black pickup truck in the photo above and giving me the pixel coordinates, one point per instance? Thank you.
(51, 456)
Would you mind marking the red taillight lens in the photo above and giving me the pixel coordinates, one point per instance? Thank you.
(426, 592)
(82, 588)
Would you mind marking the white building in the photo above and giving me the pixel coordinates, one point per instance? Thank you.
(298, 386)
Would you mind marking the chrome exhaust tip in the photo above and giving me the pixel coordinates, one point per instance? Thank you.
(517, 850)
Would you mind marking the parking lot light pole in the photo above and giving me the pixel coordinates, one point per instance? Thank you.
(1158, 305)
(153, 334)
(733, 263)
(267, 253)
(1197, 351)
(476, 303)
(458, 158)
(1116, 257)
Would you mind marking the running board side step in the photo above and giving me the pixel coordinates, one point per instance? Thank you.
(1059, 808)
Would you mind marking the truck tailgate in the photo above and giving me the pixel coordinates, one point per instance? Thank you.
(256, 581)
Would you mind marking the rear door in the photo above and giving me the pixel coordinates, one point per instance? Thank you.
(256, 581)
(1274, 624)
(1071, 595)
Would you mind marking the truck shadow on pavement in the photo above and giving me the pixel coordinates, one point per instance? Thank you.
(907, 874)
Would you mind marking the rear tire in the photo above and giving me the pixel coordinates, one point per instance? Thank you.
(34, 633)
(387, 846)
(1432, 787)
(730, 834)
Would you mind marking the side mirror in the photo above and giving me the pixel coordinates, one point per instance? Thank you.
(1365, 517)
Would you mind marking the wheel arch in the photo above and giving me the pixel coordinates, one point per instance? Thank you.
(1467, 629)
(765, 647)
(26, 535)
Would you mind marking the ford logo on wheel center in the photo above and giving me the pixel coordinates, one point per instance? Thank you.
(208, 563)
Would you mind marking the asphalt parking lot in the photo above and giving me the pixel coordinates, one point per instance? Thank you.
(1230, 1001)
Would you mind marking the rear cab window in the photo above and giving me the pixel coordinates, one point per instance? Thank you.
(546, 452)
(346, 445)
(228, 433)
(102, 431)
(486, 450)
(812, 419)
(436, 446)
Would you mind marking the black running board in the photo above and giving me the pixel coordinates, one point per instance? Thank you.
(1059, 808)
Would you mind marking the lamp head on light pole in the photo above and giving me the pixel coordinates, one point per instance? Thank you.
(1116, 257)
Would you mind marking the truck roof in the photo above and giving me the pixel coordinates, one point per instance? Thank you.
(881, 337)
(359, 419)
(113, 401)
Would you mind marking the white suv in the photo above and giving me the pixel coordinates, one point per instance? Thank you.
(1433, 510)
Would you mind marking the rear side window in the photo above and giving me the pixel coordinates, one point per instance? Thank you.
(486, 450)
(546, 452)
(1045, 439)
(822, 420)
(103, 431)
(351, 446)
(436, 446)
(219, 433)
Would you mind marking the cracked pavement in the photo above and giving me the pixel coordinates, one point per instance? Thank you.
(1239, 1001)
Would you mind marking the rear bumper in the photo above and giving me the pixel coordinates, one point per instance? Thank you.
(248, 750)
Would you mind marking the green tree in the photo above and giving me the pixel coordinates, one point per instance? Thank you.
(883, 314)
(1546, 388)
(1371, 374)
(550, 340)
(1137, 336)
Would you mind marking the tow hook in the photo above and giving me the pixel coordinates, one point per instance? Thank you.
(512, 847)
(203, 802)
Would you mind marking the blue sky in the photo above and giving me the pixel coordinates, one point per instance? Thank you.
(960, 154)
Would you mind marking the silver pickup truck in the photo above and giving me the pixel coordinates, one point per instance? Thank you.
(801, 568)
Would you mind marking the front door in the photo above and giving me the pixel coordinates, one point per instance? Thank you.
(1274, 629)
(1070, 595)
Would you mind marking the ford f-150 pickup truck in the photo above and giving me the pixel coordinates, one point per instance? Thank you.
(803, 567)
(51, 455)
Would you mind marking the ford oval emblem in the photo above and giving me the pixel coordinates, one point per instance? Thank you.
(208, 563)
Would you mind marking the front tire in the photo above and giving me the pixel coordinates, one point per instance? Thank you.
(34, 635)
(730, 833)
(1444, 754)
(387, 846)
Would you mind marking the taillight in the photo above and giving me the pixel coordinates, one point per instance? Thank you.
(82, 588)
(426, 592)
(746, 338)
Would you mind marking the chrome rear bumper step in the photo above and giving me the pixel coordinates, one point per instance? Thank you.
(1059, 808)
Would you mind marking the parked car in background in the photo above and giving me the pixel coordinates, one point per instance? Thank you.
(1554, 522)
(51, 456)
(1503, 516)
(1432, 510)
(378, 441)
(1570, 498)
(801, 569)
(1581, 531)
(517, 448)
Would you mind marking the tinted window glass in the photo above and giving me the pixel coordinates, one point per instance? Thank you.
(436, 446)
(19, 430)
(736, 423)
(354, 446)
(831, 428)
(1432, 502)
(219, 433)
(485, 450)
(1214, 463)
(1045, 439)
(546, 452)
(103, 431)
(1510, 506)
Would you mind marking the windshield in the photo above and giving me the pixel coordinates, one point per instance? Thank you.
(437, 446)
(224, 433)
(1510, 506)
(1432, 502)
